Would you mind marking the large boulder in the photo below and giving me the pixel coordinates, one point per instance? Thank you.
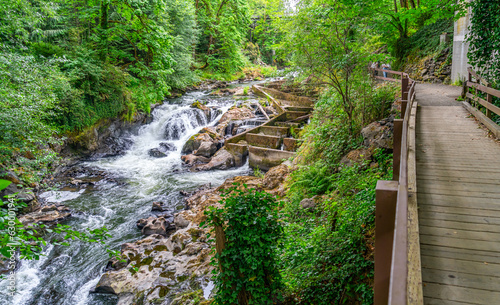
(221, 160)
(357, 156)
(234, 114)
(202, 107)
(275, 176)
(208, 135)
(206, 149)
(194, 160)
(378, 135)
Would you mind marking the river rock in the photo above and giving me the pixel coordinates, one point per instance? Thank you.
(206, 149)
(202, 107)
(275, 176)
(156, 153)
(193, 160)
(221, 160)
(165, 146)
(47, 214)
(159, 206)
(155, 225)
(180, 222)
(207, 134)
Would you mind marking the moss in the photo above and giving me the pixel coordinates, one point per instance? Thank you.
(160, 248)
(168, 274)
(195, 234)
(182, 278)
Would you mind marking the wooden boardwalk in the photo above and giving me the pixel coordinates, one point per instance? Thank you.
(458, 191)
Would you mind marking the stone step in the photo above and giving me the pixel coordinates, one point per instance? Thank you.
(263, 141)
(299, 109)
(292, 115)
(265, 158)
(272, 131)
(291, 144)
(286, 124)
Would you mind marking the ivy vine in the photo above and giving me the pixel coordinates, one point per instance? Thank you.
(248, 224)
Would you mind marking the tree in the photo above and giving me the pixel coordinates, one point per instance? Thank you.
(326, 40)
(224, 24)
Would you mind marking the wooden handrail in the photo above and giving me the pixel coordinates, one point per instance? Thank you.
(490, 92)
(477, 102)
(401, 74)
(391, 224)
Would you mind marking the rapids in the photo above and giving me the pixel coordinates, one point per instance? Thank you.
(67, 275)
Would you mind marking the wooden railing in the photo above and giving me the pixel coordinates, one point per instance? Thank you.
(472, 97)
(391, 215)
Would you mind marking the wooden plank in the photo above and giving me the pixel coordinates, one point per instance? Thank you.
(469, 210)
(492, 126)
(462, 167)
(460, 186)
(477, 76)
(464, 266)
(430, 197)
(466, 203)
(461, 254)
(493, 246)
(457, 172)
(460, 234)
(459, 218)
(444, 176)
(453, 224)
(433, 301)
(457, 278)
(461, 294)
(430, 189)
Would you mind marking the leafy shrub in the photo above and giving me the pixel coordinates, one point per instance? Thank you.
(247, 271)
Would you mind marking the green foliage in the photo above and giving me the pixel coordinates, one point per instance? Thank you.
(327, 254)
(224, 25)
(425, 41)
(258, 173)
(28, 106)
(484, 38)
(247, 264)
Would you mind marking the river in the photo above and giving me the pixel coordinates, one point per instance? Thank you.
(67, 275)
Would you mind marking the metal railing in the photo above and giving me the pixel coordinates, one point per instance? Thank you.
(391, 215)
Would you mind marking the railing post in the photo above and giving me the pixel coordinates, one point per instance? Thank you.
(385, 213)
(404, 87)
(489, 100)
(396, 147)
(469, 79)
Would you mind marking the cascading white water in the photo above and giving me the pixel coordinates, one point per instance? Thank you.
(66, 275)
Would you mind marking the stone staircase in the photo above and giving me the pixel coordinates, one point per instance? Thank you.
(276, 140)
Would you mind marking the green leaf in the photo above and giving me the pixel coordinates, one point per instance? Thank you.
(4, 184)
